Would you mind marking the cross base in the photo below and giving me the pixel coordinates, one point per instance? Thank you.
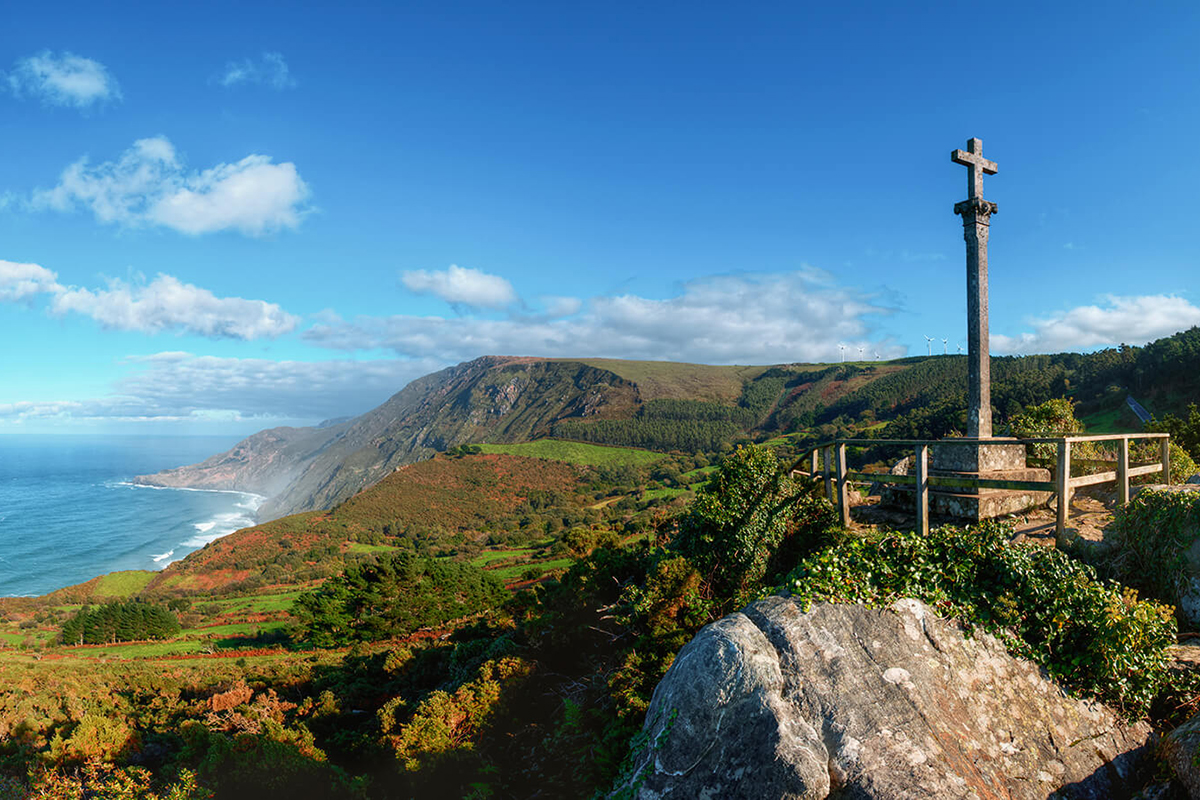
(988, 459)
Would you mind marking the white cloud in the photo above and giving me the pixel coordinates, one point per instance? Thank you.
(561, 306)
(166, 303)
(182, 387)
(462, 287)
(63, 80)
(1121, 320)
(270, 70)
(148, 185)
(163, 304)
(760, 319)
(21, 281)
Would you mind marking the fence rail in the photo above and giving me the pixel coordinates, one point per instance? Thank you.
(828, 462)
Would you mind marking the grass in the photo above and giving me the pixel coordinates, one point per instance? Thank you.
(576, 453)
(518, 570)
(699, 471)
(658, 380)
(492, 556)
(281, 601)
(360, 547)
(1114, 420)
(655, 494)
(123, 584)
(237, 629)
(141, 650)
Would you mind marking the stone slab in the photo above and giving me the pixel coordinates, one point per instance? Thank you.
(976, 455)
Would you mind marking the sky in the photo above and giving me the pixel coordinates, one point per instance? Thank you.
(223, 217)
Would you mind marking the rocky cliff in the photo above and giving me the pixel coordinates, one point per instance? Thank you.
(490, 399)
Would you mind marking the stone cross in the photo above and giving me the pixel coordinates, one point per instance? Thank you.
(977, 214)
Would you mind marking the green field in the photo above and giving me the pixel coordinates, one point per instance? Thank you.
(237, 629)
(492, 556)
(517, 570)
(576, 453)
(123, 584)
(359, 547)
(256, 604)
(672, 380)
(655, 494)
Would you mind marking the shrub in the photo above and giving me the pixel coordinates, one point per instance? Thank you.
(1157, 529)
(394, 596)
(743, 516)
(1098, 638)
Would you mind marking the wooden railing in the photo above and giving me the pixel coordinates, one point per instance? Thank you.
(828, 461)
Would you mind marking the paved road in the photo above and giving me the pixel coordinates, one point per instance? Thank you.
(1142, 413)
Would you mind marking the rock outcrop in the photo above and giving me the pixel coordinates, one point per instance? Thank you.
(845, 701)
(1181, 749)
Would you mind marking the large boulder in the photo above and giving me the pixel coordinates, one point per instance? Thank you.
(845, 701)
(1181, 749)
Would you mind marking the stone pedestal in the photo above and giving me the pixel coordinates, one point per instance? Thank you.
(989, 459)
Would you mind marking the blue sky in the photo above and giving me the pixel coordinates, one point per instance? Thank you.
(221, 218)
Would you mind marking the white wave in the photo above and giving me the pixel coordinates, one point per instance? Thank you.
(217, 527)
(161, 556)
(255, 499)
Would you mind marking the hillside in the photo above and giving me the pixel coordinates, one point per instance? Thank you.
(689, 408)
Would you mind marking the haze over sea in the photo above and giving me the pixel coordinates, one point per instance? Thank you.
(68, 512)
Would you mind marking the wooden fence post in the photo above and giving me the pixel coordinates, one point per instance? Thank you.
(829, 473)
(1123, 471)
(812, 471)
(922, 465)
(1063, 479)
(1165, 445)
(843, 486)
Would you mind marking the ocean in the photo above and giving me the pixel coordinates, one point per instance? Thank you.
(69, 513)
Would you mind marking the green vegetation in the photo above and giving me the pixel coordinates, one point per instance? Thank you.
(122, 585)
(394, 596)
(576, 453)
(1158, 528)
(120, 622)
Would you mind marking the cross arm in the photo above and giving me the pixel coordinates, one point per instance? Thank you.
(971, 159)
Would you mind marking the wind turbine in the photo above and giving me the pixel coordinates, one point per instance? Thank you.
(876, 355)
(945, 346)
(842, 347)
(860, 352)
(960, 348)
(929, 344)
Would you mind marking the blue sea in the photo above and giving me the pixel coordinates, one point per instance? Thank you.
(68, 511)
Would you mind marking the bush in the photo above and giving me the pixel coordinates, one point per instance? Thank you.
(1097, 638)
(394, 596)
(748, 512)
(1157, 529)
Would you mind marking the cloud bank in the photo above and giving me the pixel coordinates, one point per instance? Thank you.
(183, 387)
(164, 304)
(755, 319)
(149, 186)
(63, 80)
(1119, 320)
